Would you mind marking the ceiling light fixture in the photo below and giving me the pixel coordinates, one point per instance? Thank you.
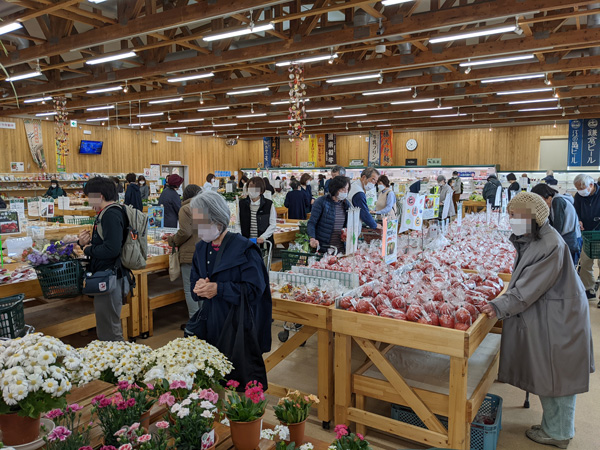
(247, 116)
(205, 131)
(524, 91)
(554, 124)
(564, 113)
(394, 2)
(196, 76)
(406, 102)
(216, 108)
(126, 88)
(190, 120)
(515, 78)
(448, 115)
(175, 128)
(225, 124)
(576, 111)
(389, 91)
(331, 56)
(248, 91)
(483, 62)
(333, 108)
(166, 100)
(151, 114)
(380, 80)
(474, 33)
(355, 78)
(555, 94)
(541, 100)
(468, 69)
(372, 120)
(97, 119)
(433, 109)
(473, 118)
(109, 58)
(101, 90)
(100, 108)
(37, 100)
(286, 102)
(201, 99)
(10, 27)
(140, 124)
(539, 109)
(490, 128)
(45, 114)
(415, 93)
(252, 108)
(385, 125)
(241, 32)
(280, 121)
(349, 115)
(547, 81)
(24, 76)
(346, 126)
(308, 60)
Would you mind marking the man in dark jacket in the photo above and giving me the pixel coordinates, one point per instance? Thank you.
(358, 197)
(296, 201)
(105, 254)
(587, 205)
(490, 189)
(133, 195)
(171, 201)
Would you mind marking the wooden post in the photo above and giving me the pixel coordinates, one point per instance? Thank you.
(343, 377)
(459, 427)
(142, 280)
(325, 366)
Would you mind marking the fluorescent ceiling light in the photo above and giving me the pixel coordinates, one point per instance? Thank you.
(307, 60)
(349, 115)
(10, 27)
(166, 100)
(474, 33)
(240, 32)
(372, 120)
(390, 91)
(539, 109)
(394, 2)
(205, 131)
(108, 89)
(246, 116)
(334, 108)
(175, 128)
(143, 124)
(287, 102)
(542, 100)
(37, 100)
(97, 119)
(216, 108)
(281, 121)
(385, 125)
(495, 60)
(515, 78)
(24, 76)
(447, 115)
(356, 78)
(109, 58)
(96, 1)
(248, 91)
(45, 114)
(525, 91)
(100, 108)
(432, 109)
(150, 114)
(190, 120)
(407, 102)
(224, 124)
(191, 77)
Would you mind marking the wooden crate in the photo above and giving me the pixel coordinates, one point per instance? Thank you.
(316, 319)
(376, 336)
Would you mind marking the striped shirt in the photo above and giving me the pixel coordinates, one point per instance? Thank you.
(336, 235)
(253, 224)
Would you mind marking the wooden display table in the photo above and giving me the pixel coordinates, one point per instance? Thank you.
(471, 206)
(75, 212)
(282, 212)
(52, 233)
(286, 236)
(376, 336)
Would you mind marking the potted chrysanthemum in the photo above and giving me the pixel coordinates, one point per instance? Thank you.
(36, 372)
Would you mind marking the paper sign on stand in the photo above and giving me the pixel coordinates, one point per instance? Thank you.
(459, 214)
(147, 173)
(10, 222)
(19, 206)
(156, 216)
(228, 188)
(64, 203)
(155, 171)
(389, 244)
(353, 229)
(498, 198)
(47, 207)
(431, 207)
(33, 208)
(488, 212)
(153, 188)
(412, 215)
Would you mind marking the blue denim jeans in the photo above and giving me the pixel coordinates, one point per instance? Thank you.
(577, 254)
(558, 420)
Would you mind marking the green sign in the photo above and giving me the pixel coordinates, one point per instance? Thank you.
(434, 161)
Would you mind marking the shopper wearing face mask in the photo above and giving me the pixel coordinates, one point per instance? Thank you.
(144, 188)
(446, 193)
(587, 205)
(358, 197)
(386, 201)
(229, 276)
(55, 190)
(258, 218)
(329, 216)
(546, 346)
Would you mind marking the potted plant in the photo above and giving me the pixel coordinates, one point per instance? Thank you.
(36, 372)
(344, 440)
(135, 437)
(282, 432)
(193, 421)
(68, 433)
(245, 413)
(293, 411)
(125, 406)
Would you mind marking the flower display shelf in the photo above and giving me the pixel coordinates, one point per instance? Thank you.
(454, 398)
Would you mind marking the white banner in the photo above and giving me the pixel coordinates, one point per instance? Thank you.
(412, 216)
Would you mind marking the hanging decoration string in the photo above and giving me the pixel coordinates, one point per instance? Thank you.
(297, 111)
(61, 133)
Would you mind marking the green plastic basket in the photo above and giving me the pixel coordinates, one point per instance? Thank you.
(61, 280)
(591, 243)
(290, 259)
(12, 316)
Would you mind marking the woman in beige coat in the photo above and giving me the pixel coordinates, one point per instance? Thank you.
(546, 337)
(185, 239)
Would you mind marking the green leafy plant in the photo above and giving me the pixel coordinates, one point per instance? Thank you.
(68, 434)
(295, 407)
(192, 420)
(344, 440)
(245, 408)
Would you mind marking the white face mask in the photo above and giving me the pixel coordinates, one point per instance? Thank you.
(369, 186)
(208, 234)
(254, 193)
(342, 196)
(381, 187)
(584, 192)
(142, 183)
(520, 226)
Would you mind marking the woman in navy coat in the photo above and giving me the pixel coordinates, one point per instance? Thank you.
(296, 201)
(225, 267)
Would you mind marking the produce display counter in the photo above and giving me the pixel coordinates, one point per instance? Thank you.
(471, 206)
(287, 233)
(458, 397)
(52, 232)
(75, 212)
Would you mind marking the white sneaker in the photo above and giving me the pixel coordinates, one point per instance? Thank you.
(538, 435)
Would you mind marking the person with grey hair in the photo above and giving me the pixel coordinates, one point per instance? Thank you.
(587, 206)
(445, 197)
(230, 278)
(335, 172)
(357, 196)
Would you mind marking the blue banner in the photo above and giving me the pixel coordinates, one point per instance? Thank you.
(267, 148)
(591, 147)
(575, 143)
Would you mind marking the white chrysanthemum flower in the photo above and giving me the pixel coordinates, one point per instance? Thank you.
(46, 358)
(19, 392)
(50, 386)
(35, 382)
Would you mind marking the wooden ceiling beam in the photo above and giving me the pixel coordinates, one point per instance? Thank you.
(578, 13)
(45, 10)
(67, 13)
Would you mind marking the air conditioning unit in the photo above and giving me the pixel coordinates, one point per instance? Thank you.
(231, 142)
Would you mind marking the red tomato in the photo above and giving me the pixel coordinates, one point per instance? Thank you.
(463, 316)
(346, 303)
(446, 309)
(447, 321)
(461, 326)
(435, 320)
(425, 319)
(399, 303)
(472, 310)
(414, 313)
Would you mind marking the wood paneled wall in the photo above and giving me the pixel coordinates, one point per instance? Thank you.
(125, 150)
(128, 150)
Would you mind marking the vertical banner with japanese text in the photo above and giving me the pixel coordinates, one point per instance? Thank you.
(313, 149)
(321, 150)
(591, 147)
(374, 148)
(387, 147)
(330, 151)
(276, 152)
(575, 143)
(267, 146)
(33, 130)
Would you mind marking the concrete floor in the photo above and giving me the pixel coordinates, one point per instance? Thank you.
(299, 371)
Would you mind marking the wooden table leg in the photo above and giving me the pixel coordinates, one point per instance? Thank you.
(144, 303)
(343, 377)
(326, 381)
(459, 427)
(133, 321)
(360, 404)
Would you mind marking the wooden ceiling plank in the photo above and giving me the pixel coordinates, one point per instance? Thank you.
(45, 10)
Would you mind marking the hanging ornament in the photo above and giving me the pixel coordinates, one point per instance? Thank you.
(297, 110)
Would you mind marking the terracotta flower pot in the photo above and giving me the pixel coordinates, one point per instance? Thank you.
(296, 432)
(17, 430)
(246, 435)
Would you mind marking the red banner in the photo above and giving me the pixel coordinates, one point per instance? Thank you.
(387, 147)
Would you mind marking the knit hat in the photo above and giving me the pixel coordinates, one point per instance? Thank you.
(174, 180)
(533, 202)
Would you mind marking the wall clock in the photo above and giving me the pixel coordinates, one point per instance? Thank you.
(411, 145)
